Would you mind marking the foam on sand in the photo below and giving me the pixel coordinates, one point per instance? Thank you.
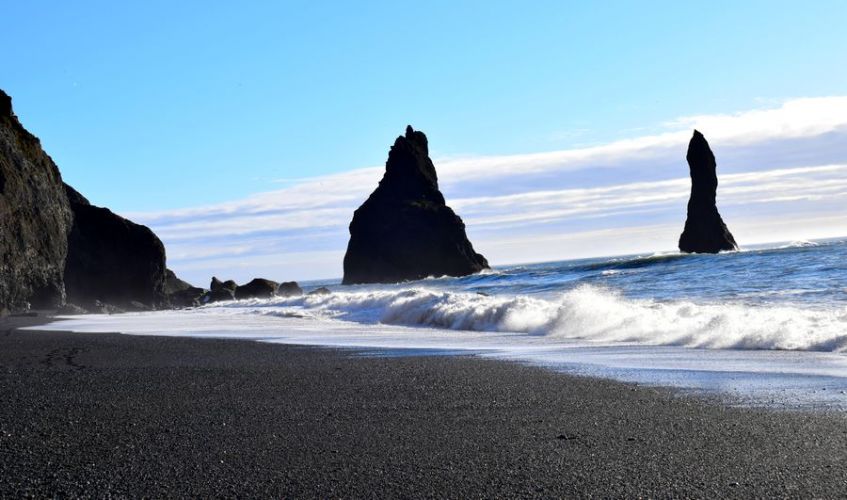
(783, 355)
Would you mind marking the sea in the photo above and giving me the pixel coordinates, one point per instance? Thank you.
(762, 326)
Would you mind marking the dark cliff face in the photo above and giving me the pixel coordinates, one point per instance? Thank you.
(55, 245)
(111, 259)
(34, 219)
(705, 231)
(404, 230)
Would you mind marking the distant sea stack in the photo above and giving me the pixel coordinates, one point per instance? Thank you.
(52, 240)
(404, 230)
(705, 231)
(35, 219)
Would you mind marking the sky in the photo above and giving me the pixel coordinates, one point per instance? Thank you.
(246, 134)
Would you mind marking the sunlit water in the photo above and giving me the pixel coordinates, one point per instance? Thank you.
(760, 326)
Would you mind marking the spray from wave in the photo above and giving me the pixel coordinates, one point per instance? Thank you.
(585, 313)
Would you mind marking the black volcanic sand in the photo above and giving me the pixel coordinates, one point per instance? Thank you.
(114, 415)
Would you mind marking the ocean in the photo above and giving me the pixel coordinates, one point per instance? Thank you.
(760, 326)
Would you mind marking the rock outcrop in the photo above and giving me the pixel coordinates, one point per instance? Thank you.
(289, 289)
(180, 293)
(35, 219)
(111, 259)
(705, 231)
(258, 288)
(219, 295)
(220, 290)
(404, 230)
(173, 284)
(217, 285)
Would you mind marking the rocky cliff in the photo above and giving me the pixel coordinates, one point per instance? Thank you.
(705, 231)
(112, 259)
(34, 219)
(404, 230)
(55, 245)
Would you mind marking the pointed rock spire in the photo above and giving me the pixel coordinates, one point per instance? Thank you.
(705, 231)
(404, 230)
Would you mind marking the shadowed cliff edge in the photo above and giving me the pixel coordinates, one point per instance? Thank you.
(55, 247)
(112, 259)
(705, 231)
(404, 230)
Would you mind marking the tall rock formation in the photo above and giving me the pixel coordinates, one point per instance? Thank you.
(34, 219)
(112, 259)
(705, 231)
(54, 243)
(404, 230)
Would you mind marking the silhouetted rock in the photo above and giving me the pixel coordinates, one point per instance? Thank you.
(404, 230)
(173, 284)
(258, 288)
(35, 219)
(217, 284)
(289, 289)
(705, 231)
(219, 295)
(321, 291)
(220, 290)
(111, 259)
(181, 293)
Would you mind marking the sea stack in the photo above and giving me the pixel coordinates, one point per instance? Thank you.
(705, 231)
(404, 230)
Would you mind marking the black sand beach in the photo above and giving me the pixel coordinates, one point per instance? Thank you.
(101, 415)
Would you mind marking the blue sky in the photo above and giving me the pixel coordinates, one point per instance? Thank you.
(158, 109)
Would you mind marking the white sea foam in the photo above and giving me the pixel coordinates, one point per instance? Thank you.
(767, 355)
(585, 313)
(799, 244)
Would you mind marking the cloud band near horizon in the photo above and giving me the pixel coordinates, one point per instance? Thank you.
(782, 173)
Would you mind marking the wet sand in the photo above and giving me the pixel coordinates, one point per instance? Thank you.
(116, 415)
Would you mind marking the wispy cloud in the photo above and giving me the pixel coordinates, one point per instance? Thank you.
(619, 197)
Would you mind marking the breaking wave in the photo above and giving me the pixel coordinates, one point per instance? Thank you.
(637, 262)
(585, 313)
(799, 244)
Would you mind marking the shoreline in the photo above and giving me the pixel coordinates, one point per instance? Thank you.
(113, 414)
(760, 378)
